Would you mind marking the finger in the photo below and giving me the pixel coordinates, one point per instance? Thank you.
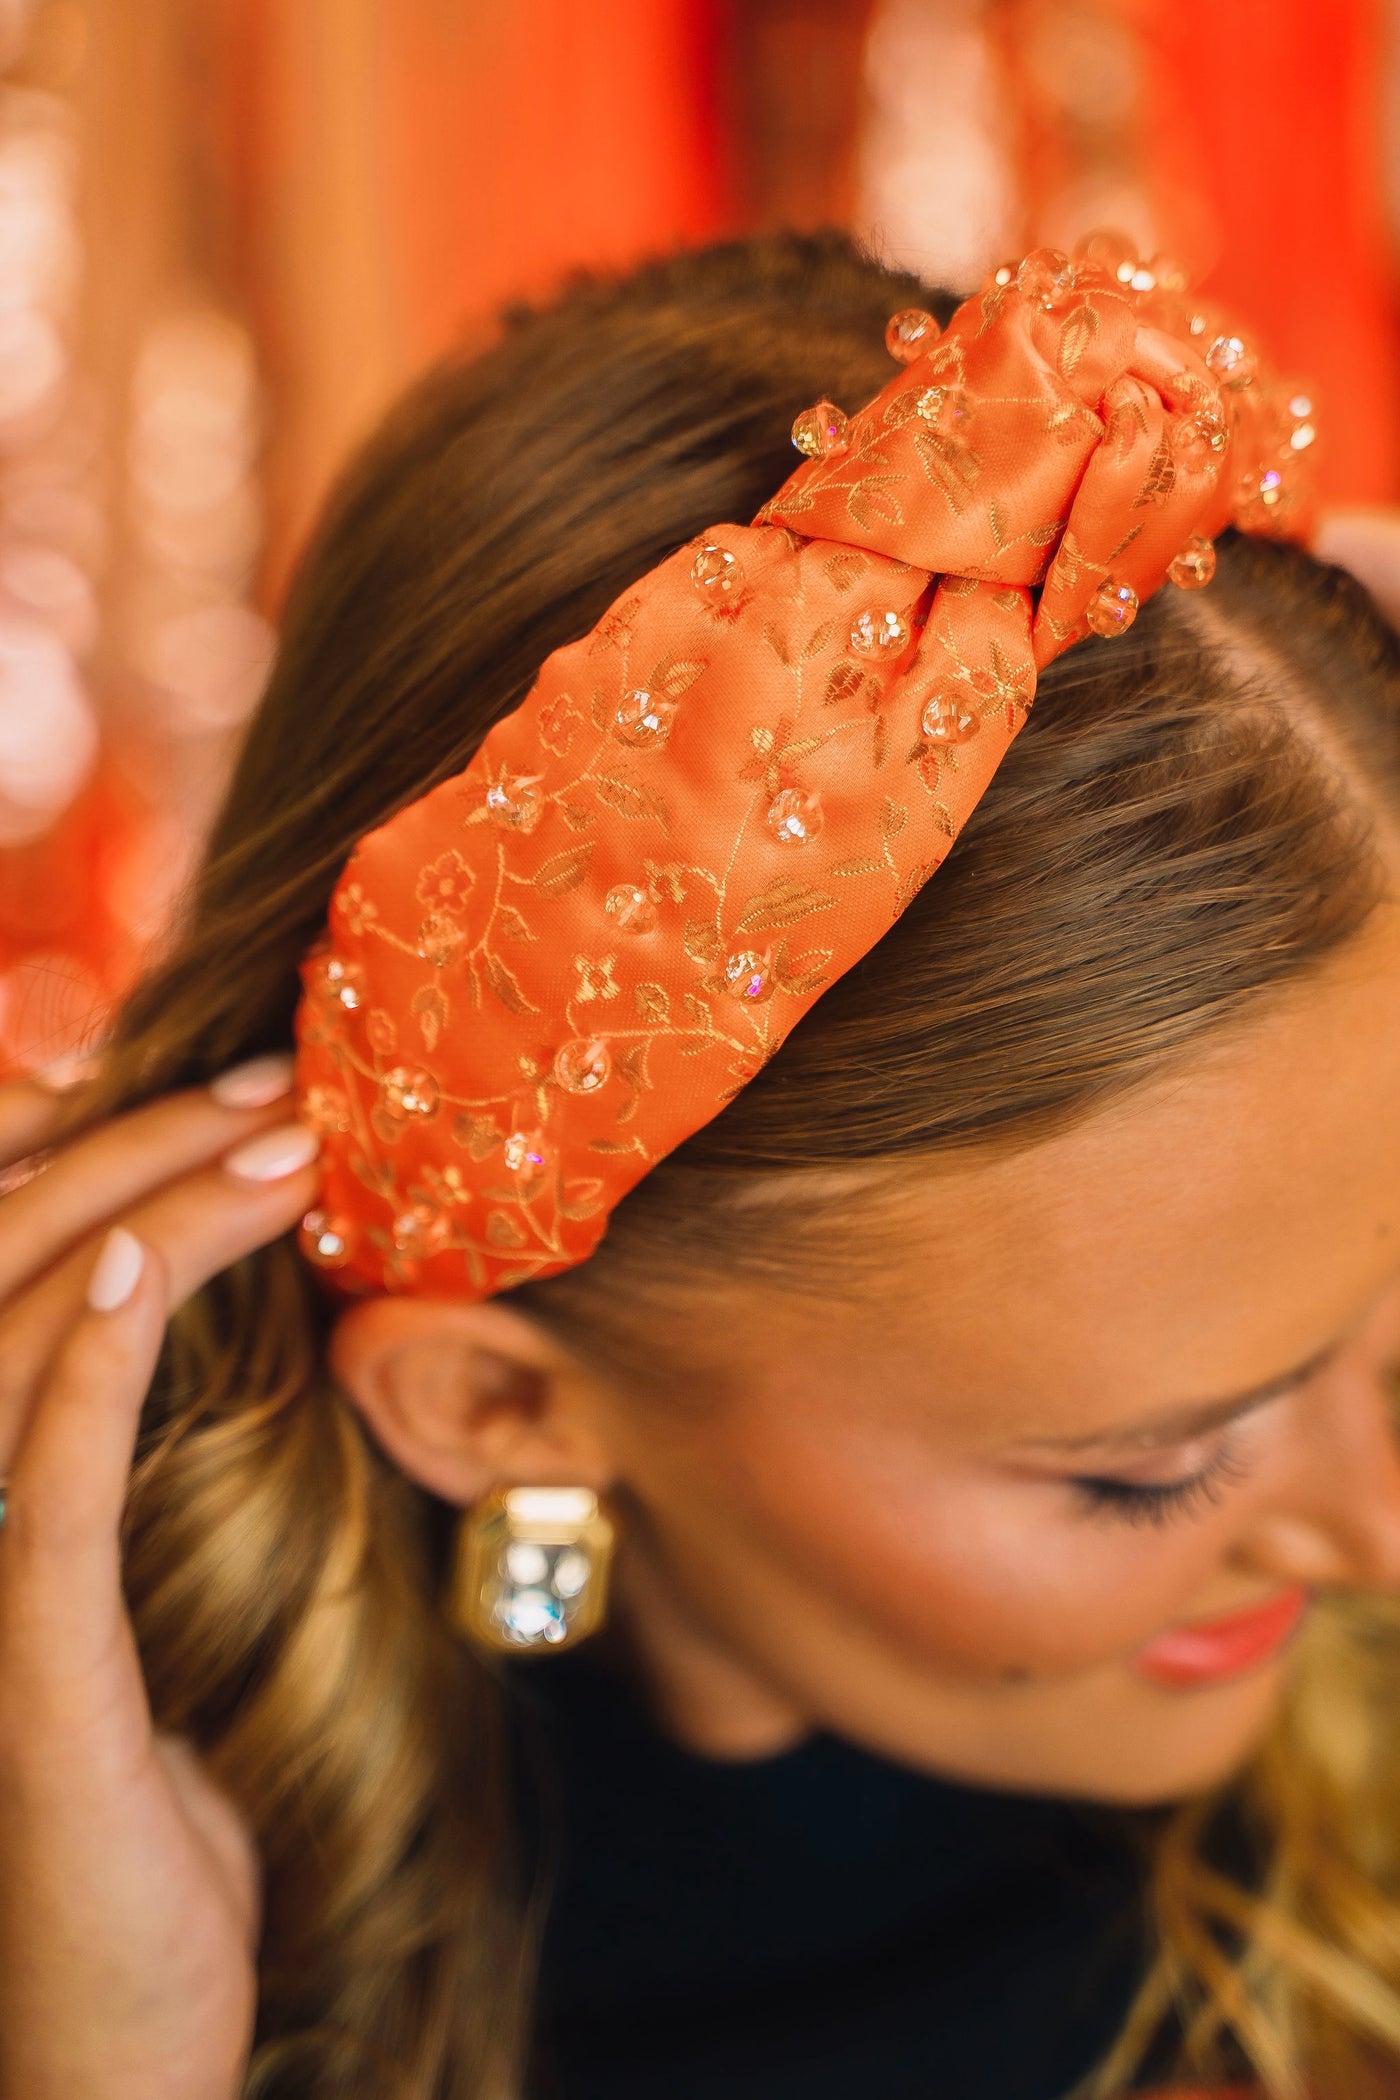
(115, 1166)
(197, 1225)
(28, 1114)
(61, 1605)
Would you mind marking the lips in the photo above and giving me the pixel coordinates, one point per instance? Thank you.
(1204, 1651)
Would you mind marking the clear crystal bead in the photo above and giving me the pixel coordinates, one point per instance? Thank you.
(527, 1159)
(343, 983)
(947, 718)
(439, 939)
(880, 634)
(409, 1091)
(328, 1241)
(716, 573)
(583, 1065)
(820, 430)
(642, 719)
(528, 1617)
(514, 801)
(631, 907)
(1046, 277)
(1108, 253)
(419, 1230)
(794, 818)
(571, 1572)
(526, 1564)
(910, 333)
(1192, 569)
(947, 409)
(749, 975)
(1112, 609)
(1232, 360)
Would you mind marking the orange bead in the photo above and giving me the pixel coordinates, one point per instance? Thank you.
(1112, 609)
(821, 430)
(1192, 569)
(910, 333)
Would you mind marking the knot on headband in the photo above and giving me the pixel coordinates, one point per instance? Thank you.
(545, 974)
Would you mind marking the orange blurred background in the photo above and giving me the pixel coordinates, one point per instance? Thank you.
(231, 229)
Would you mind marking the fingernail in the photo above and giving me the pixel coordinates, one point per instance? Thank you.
(254, 1084)
(118, 1270)
(273, 1154)
(65, 1073)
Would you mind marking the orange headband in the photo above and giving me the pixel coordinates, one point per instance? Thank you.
(540, 978)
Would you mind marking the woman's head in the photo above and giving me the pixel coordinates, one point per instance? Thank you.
(1102, 1133)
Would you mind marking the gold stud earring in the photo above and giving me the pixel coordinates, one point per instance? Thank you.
(531, 1569)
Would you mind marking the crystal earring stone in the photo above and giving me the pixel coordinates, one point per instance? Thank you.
(1232, 360)
(1047, 277)
(794, 818)
(326, 1240)
(880, 634)
(531, 1568)
(643, 720)
(820, 430)
(947, 718)
(439, 939)
(527, 1161)
(910, 333)
(716, 573)
(408, 1091)
(1112, 609)
(420, 1230)
(1192, 569)
(748, 975)
(342, 983)
(630, 907)
(583, 1065)
(514, 802)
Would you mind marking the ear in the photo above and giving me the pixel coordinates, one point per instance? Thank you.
(468, 1397)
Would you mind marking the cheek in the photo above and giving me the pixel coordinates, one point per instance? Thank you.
(975, 1571)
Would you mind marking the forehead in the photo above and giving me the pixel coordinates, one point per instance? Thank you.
(1195, 1238)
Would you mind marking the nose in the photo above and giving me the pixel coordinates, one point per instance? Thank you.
(1335, 1518)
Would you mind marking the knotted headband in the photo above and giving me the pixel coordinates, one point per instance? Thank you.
(545, 974)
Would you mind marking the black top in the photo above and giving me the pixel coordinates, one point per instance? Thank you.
(821, 1925)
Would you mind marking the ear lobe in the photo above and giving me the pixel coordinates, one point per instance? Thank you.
(467, 1397)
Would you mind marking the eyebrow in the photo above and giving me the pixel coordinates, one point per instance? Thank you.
(1176, 1425)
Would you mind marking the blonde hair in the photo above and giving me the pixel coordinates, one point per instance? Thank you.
(1160, 847)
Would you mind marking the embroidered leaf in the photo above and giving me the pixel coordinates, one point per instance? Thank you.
(893, 818)
(805, 746)
(632, 1066)
(794, 501)
(612, 1145)
(375, 1174)
(652, 1001)
(478, 1135)
(577, 819)
(675, 675)
(1007, 600)
(502, 1230)
(702, 940)
(1043, 535)
(1161, 477)
(762, 740)
(783, 903)
(881, 751)
(506, 986)
(913, 883)
(430, 1005)
(630, 799)
(667, 878)
(870, 502)
(777, 643)
(581, 1199)
(817, 640)
(845, 568)
(512, 924)
(843, 685)
(1078, 335)
(805, 972)
(857, 867)
(563, 871)
(697, 1010)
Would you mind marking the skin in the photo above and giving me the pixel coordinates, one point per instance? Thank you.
(872, 1525)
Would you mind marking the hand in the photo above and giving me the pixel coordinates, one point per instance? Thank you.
(129, 1890)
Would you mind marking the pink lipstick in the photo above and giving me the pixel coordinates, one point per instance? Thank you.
(1205, 1651)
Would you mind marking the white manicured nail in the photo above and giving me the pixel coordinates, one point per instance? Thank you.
(118, 1270)
(274, 1154)
(254, 1084)
(65, 1073)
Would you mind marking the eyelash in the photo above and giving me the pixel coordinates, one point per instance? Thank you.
(1159, 1503)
